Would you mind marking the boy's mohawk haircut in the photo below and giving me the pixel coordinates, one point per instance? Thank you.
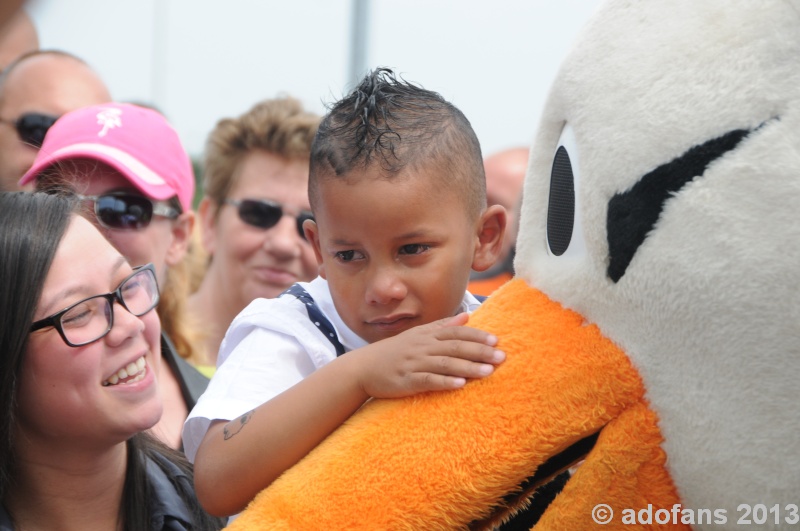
(391, 125)
(373, 119)
(373, 102)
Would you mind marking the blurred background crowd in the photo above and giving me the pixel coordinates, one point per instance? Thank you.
(199, 60)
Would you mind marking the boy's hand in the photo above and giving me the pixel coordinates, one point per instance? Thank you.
(434, 357)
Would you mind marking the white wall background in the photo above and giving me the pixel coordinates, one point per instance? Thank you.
(201, 60)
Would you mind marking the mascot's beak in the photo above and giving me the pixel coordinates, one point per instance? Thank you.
(565, 393)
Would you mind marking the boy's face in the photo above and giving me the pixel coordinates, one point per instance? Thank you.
(396, 254)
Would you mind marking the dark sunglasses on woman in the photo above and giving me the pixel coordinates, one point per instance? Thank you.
(92, 318)
(128, 211)
(265, 214)
(32, 126)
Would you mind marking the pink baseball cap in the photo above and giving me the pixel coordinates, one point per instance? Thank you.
(136, 141)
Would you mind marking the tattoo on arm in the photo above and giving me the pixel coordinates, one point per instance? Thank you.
(236, 425)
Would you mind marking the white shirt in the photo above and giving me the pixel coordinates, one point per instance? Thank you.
(269, 347)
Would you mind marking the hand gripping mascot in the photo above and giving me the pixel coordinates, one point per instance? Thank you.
(653, 329)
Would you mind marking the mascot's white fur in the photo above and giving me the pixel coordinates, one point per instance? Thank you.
(709, 307)
(662, 208)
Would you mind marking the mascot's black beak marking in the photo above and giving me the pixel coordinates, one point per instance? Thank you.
(522, 508)
(632, 214)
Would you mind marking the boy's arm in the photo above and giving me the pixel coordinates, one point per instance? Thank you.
(237, 459)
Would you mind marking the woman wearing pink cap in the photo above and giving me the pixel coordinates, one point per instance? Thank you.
(129, 164)
(256, 199)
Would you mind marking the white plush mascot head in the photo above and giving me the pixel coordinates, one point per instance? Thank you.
(653, 329)
(677, 124)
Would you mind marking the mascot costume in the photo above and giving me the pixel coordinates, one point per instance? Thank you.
(652, 331)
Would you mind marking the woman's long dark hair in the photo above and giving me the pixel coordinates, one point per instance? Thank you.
(31, 229)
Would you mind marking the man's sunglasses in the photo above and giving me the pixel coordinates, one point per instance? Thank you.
(265, 214)
(127, 211)
(32, 126)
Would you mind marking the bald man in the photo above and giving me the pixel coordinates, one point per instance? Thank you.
(505, 173)
(18, 36)
(36, 89)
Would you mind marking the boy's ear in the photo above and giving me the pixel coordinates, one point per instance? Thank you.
(311, 231)
(491, 230)
(181, 238)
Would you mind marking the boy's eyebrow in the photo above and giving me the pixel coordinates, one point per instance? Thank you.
(413, 234)
(400, 237)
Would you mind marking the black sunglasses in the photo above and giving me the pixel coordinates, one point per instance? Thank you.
(265, 214)
(32, 127)
(92, 318)
(127, 211)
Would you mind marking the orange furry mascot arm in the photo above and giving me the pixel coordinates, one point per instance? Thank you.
(485, 440)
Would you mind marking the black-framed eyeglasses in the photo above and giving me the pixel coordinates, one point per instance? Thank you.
(32, 127)
(128, 211)
(265, 214)
(92, 318)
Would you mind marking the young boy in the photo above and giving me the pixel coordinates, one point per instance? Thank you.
(398, 193)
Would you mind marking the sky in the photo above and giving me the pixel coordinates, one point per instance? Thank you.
(202, 60)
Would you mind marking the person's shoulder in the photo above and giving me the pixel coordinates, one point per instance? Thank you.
(285, 316)
(166, 503)
(262, 306)
(191, 381)
(172, 500)
(471, 302)
(5, 520)
(268, 313)
(487, 285)
(318, 289)
(288, 312)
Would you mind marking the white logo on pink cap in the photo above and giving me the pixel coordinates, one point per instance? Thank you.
(109, 119)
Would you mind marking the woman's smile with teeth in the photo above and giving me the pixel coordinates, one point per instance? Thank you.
(131, 373)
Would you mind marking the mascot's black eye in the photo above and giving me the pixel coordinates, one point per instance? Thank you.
(561, 205)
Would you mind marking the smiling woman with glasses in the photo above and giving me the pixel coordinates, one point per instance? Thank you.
(79, 369)
(137, 185)
(251, 218)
